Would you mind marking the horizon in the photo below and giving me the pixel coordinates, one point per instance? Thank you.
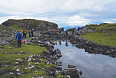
(62, 12)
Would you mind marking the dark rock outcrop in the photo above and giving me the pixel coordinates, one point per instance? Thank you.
(37, 25)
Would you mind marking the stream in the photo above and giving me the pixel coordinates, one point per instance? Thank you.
(92, 65)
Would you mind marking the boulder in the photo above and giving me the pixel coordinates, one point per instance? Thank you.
(71, 66)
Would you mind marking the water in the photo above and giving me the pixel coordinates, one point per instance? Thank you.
(92, 65)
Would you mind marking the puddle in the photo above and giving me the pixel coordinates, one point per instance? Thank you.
(92, 65)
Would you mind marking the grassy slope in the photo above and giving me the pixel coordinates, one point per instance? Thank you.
(103, 38)
(10, 55)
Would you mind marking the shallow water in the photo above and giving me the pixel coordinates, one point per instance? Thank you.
(92, 65)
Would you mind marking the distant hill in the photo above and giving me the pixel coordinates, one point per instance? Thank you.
(68, 27)
(37, 25)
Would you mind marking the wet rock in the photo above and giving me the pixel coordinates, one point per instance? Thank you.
(80, 72)
(59, 55)
(72, 72)
(58, 68)
(71, 66)
(58, 63)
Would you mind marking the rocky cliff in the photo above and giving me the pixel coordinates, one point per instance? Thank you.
(37, 25)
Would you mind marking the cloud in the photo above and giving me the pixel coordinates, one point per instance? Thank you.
(77, 21)
(62, 12)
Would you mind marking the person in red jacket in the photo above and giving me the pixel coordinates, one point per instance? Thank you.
(55, 32)
(24, 33)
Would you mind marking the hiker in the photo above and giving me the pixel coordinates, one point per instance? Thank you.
(59, 32)
(55, 32)
(49, 33)
(78, 29)
(32, 32)
(24, 33)
(66, 32)
(29, 33)
(72, 31)
(19, 37)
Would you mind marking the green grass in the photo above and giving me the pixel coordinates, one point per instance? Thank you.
(30, 49)
(16, 27)
(103, 38)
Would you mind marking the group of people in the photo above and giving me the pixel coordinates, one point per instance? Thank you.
(71, 30)
(66, 32)
(55, 32)
(19, 37)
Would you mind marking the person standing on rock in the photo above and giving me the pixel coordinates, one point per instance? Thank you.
(55, 32)
(24, 33)
(19, 37)
(72, 31)
(59, 32)
(66, 32)
(49, 32)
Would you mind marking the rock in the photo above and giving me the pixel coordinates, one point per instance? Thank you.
(58, 51)
(2, 72)
(80, 72)
(70, 71)
(71, 66)
(58, 63)
(37, 56)
(0, 64)
(58, 68)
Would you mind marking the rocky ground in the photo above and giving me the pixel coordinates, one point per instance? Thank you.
(52, 55)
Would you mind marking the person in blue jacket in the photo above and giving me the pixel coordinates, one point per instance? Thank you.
(66, 32)
(72, 31)
(19, 37)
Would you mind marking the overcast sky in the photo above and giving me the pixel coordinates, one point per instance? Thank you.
(62, 12)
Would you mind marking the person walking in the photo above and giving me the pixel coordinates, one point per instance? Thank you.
(72, 31)
(19, 37)
(24, 33)
(66, 32)
(55, 32)
(59, 32)
(49, 32)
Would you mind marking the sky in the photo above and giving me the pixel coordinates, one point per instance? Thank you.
(62, 12)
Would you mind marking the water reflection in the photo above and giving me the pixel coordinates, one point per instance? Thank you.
(60, 42)
(66, 43)
(92, 65)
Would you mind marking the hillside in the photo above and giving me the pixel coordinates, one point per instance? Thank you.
(37, 25)
(105, 34)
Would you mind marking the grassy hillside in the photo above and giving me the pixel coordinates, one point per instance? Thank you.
(105, 34)
(10, 53)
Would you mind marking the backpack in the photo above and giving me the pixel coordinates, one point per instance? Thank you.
(25, 31)
(19, 36)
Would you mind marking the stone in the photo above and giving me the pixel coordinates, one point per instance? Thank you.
(71, 66)
(0, 64)
(58, 63)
